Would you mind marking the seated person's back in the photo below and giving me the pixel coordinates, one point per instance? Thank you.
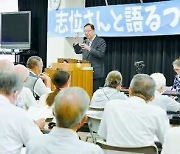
(165, 102)
(61, 79)
(26, 98)
(171, 144)
(16, 126)
(110, 91)
(134, 122)
(38, 82)
(70, 107)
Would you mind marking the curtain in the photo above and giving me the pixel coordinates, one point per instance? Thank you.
(38, 10)
(157, 52)
(90, 3)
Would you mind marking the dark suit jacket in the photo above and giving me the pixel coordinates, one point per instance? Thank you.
(95, 56)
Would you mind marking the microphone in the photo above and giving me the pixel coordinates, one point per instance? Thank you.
(86, 41)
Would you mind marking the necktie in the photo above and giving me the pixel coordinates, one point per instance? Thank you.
(89, 43)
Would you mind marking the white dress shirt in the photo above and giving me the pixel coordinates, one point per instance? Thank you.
(171, 144)
(103, 95)
(61, 141)
(15, 127)
(36, 85)
(165, 102)
(133, 122)
(42, 110)
(26, 99)
(40, 88)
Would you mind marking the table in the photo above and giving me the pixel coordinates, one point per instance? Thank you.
(172, 93)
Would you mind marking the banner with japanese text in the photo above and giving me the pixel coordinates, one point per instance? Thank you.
(160, 18)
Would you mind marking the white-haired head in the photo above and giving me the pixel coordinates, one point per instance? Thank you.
(160, 81)
(22, 71)
(6, 64)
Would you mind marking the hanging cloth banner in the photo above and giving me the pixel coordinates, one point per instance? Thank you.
(147, 19)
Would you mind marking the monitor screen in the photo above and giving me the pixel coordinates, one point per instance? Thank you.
(15, 30)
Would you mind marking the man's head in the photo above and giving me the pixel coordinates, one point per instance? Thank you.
(70, 107)
(113, 79)
(142, 85)
(176, 65)
(160, 81)
(22, 71)
(89, 31)
(35, 64)
(61, 79)
(10, 84)
(5, 64)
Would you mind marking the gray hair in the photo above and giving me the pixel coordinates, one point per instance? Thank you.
(5, 64)
(10, 82)
(113, 79)
(176, 62)
(160, 80)
(70, 107)
(33, 61)
(143, 86)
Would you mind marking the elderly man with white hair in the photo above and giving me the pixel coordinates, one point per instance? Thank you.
(6, 64)
(134, 122)
(16, 126)
(26, 98)
(163, 101)
(71, 105)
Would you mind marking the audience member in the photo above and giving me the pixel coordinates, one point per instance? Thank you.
(38, 82)
(26, 98)
(171, 143)
(16, 127)
(8, 65)
(70, 108)
(163, 101)
(110, 91)
(134, 122)
(5, 64)
(61, 79)
(176, 67)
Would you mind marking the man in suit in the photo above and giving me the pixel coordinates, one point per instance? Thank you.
(92, 49)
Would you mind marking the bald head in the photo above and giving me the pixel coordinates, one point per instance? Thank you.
(70, 107)
(5, 64)
(22, 71)
(142, 85)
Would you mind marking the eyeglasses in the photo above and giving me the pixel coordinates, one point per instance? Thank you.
(177, 69)
(87, 31)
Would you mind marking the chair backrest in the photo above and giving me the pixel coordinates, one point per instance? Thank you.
(109, 149)
(93, 123)
(96, 108)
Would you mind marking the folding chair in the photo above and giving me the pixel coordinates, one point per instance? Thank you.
(109, 149)
(96, 108)
(93, 124)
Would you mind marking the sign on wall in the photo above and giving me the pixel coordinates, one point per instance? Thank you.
(160, 18)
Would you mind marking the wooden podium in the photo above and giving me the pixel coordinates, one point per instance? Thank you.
(80, 70)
